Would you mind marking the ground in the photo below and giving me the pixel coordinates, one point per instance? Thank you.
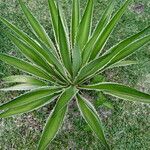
(126, 126)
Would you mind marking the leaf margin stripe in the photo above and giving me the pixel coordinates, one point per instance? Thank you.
(23, 79)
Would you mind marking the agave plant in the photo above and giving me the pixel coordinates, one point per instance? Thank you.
(59, 70)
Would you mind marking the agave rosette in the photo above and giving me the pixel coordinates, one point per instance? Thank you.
(59, 70)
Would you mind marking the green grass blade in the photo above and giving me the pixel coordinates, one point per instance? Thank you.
(38, 29)
(91, 117)
(24, 79)
(100, 26)
(30, 97)
(123, 63)
(26, 67)
(56, 118)
(28, 107)
(107, 31)
(20, 87)
(120, 91)
(64, 45)
(75, 19)
(85, 25)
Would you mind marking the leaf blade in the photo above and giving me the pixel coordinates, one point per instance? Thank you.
(91, 117)
(30, 53)
(76, 60)
(85, 25)
(20, 87)
(28, 107)
(24, 79)
(107, 31)
(101, 63)
(54, 17)
(120, 91)
(30, 97)
(25, 66)
(48, 55)
(75, 19)
(123, 64)
(64, 45)
(54, 122)
(56, 118)
(37, 27)
(101, 24)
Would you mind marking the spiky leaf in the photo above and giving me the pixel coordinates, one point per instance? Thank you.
(91, 117)
(120, 91)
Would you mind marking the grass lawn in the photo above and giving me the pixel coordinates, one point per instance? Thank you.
(127, 127)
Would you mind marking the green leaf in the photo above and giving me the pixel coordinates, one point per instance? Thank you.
(64, 22)
(127, 51)
(54, 17)
(100, 43)
(99, 28)
(64, 45)
(75, 19)
(36, 58)
(48, 55)
(56, 118)
(28, 107)
(20, 87)
(121, 45)
(76, 60)
(85, 25)
(51, 128)
(123, 63)
(24, 79)
(65, 98)
(30, 97)
(105, 61)
(31, 53)
(91, 117)
(120, 91)
(25, 66)
(38, 29)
